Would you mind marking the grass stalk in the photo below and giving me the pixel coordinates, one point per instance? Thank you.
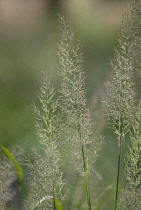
(54, 205)
(86, 174)
(86, 180)
(118, 169)
(88, 193)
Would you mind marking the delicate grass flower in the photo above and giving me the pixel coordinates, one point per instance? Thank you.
(121, 95)
(131, 193)
(46, 179)
(74, 104)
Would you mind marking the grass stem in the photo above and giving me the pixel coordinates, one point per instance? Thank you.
(86, 180)
(118, 171)
(54, 206)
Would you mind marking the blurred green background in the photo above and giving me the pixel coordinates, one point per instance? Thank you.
(28, 46)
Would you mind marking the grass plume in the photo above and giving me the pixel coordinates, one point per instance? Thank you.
(121, 99)
(46, 179)
(64, 118)
(74, 104)
(131, 192)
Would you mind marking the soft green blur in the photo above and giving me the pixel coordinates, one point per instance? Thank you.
(28, 46)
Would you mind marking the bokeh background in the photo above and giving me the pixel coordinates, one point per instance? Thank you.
(28, 46)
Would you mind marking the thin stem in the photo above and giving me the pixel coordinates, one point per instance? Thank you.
(118, 172)
(84, 161)
(117, 186)
(86, 179)
(88, 194)
(53, 191)
(54, 206)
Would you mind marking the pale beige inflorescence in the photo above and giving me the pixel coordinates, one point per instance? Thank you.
(46, 178)
(74, 104)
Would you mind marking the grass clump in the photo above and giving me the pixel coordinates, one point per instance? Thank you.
(121, 98)
(70, 107)
(63, 118)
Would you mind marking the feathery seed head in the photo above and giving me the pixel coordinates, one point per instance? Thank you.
(73, 102)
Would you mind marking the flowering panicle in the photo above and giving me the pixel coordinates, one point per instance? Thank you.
(73, 100)
(46, 179)
(121, 88)
(132, 190)
(121, 95)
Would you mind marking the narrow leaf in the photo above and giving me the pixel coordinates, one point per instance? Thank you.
(101, 197)
(18, 168)
(58, 204)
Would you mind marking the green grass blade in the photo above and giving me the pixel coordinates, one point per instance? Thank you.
(102, 196)
(18, 168)
(58, 204)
